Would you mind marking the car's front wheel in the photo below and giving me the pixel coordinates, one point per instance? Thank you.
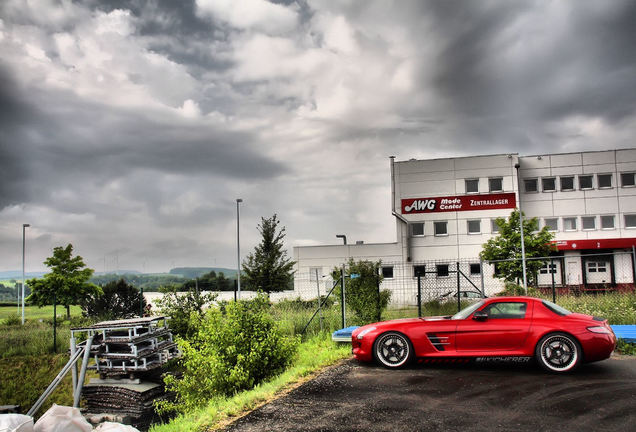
(392, 350)
(558, 352)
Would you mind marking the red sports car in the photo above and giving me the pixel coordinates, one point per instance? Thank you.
(501, 328)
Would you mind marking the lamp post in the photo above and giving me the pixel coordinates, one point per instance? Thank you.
(24, 227)
(523, 248)
(238, 249)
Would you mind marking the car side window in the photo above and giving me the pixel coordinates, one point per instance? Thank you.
(507, 310)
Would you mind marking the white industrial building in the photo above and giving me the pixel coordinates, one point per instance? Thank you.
(445, 210)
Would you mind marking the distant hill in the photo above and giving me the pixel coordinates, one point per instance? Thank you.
(17, 274)
(193, 272)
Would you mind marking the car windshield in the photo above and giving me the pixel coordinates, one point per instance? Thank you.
(465, 313)
(556, 308)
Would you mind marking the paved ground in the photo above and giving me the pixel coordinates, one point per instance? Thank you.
(502, 397)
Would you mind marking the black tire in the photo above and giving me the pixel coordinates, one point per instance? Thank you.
(393, 350)
(558, 352)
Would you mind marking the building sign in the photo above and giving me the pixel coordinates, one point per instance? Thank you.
(613, 243)
(459, 203)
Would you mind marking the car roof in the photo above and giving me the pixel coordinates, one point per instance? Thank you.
(512, 298)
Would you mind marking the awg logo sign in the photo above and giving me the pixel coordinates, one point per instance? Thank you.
(458, 203)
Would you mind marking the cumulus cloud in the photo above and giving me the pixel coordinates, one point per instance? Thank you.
(130, 127)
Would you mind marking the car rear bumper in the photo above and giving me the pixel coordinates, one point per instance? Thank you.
(597, 346)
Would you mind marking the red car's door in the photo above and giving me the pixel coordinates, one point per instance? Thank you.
(505, 329)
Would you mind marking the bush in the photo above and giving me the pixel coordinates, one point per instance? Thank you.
(513, 289)
(119, 300)
(13, 319)
(232, 351)
(362, 294)
(185, 309)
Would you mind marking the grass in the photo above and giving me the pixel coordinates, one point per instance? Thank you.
(32, 339)
(24, 378)
(37, 313)
(313, 355)
(617, 308)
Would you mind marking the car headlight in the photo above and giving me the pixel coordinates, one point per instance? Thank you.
(365, 331)
(600, 329)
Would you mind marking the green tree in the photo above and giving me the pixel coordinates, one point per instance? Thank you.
(268, 268)
(362, 294)
(67, 283)
(507, 246)
(120, 300)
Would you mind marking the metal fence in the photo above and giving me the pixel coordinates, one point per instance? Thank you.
(416, 286)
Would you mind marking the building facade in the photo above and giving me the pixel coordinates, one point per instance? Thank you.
(445, 210)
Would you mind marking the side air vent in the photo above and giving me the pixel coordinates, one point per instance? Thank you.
(438, 341)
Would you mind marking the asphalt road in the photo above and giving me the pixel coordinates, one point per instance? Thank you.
(474, 397)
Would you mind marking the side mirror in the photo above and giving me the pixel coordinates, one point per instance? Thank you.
(480, 316)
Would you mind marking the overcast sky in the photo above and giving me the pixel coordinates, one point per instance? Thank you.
(129, 128)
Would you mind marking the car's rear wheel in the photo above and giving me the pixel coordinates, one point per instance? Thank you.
(558, 352)
(392, 350)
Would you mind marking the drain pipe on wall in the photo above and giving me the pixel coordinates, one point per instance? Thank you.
(396, 214)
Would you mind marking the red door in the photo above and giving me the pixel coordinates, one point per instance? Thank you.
(505, 329)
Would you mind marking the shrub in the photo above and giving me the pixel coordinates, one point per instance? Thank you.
(12, 319)
(513, 289)
(362, 294)
(185, 309)
(119, 300)
(232, 351)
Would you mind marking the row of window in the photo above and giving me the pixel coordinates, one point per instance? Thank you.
(495, 184)
(586, 223)
(585, 182)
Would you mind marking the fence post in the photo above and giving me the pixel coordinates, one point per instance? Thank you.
(459, 300)
(235, 285)
(419, 295)
(54, 323)
(319, 300)
(552, 271)
(633, 266)
(481, 272)
(342, 296)
(377, 282)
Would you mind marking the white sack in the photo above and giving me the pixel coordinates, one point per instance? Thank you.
(62, 419)
(16, 423)
(115, 427)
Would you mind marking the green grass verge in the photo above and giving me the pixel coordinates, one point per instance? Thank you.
(24, 378)
(37, 313)
(313, 355)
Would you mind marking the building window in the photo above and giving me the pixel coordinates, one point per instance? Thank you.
(419, 270)
(474, 226)
(628, 179)
(475, 269)
(597, 266)
(630, 221)
(417, 229)
(585, 182)
(551, 223)
(567, 183)
(588, 222)
(569, 224)
(607, 222)
(313, 271)
(472, 185)
(495, 184)
(442, 270)
(441, 228)
(531, 185)
(548, 184)
(387, 272)
(494, 228)
(548, 269)
(604, 181)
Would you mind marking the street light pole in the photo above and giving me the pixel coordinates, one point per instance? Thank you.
(342, 285)
(24, 227)
(238, 249)
(523, 248)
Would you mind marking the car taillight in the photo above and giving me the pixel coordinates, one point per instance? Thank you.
(600, 329)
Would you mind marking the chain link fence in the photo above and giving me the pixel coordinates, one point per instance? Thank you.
(595, 284)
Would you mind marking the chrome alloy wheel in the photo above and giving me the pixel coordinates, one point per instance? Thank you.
(392, 350)
(558, 353)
